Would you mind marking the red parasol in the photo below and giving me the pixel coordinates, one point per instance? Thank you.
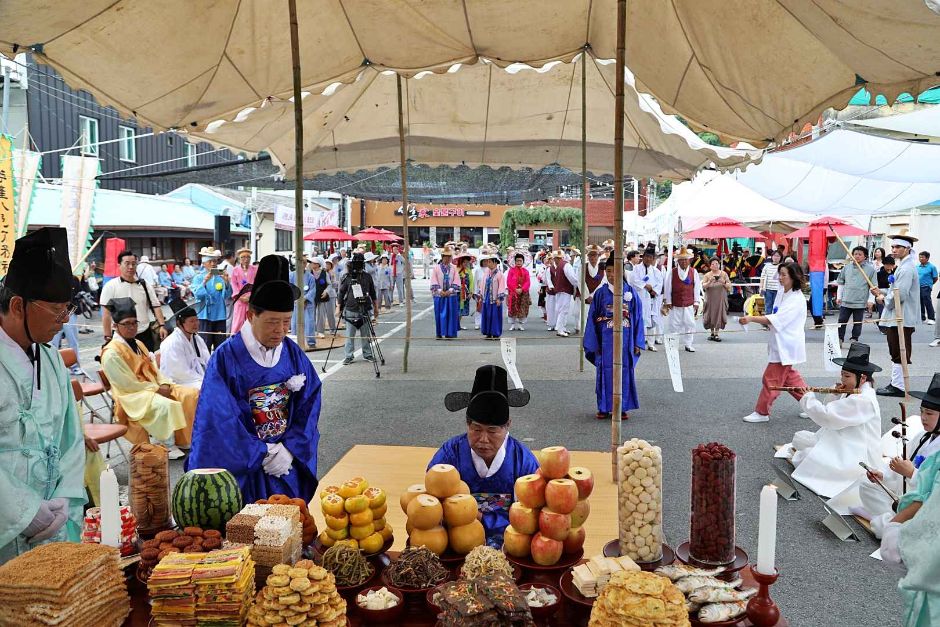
(721, 228)
(841, 227)
(328, 234)
(372, 234)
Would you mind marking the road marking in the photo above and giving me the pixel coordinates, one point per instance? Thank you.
(401, 325)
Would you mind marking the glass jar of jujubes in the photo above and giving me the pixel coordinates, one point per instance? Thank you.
(711, 523)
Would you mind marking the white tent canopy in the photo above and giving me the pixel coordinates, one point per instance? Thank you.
(924, 121)
(478, 114)
(849, 173)
(711, 195)
(751, 69)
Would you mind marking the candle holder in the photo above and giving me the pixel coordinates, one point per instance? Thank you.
(761, 609)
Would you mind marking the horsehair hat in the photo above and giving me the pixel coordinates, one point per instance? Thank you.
(183, 310)
(272, 289)
(121, 308)
(490, 399)
(857, 360)
(931, 398)
(40, 268)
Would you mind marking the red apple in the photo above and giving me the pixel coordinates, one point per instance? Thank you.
(574, 542)
(530, 491)
(554, 462)
(554, 525)
(561, 495)
(545, 551)
(584, 479)
(580, 513)
(523, 519)
(516, 543)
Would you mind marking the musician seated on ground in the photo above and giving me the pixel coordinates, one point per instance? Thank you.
(488, 459)
(827, 461)
(877, 505)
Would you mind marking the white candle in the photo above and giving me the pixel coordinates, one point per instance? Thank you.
(767, 530)
(110, 509)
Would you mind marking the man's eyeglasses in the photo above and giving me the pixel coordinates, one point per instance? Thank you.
(130, 324)
(60, 316)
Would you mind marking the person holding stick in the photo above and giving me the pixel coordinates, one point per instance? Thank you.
(905, 290)
(852, 294)
(786, 346)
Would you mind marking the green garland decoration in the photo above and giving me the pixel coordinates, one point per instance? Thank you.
(523, 215)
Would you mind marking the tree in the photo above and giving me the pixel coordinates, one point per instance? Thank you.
(539, 214)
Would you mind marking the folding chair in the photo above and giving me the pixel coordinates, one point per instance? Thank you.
(101, 433)
(89, 388)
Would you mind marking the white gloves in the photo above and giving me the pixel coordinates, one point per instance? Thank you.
(277, 462)
(48, 520)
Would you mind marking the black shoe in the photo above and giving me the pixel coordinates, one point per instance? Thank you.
(889, 390)
(346, 362)
(717, 339)
(372, 358)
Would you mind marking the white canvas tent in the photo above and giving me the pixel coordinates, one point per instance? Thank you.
(849, 173)
(924, 121)
(711, 195)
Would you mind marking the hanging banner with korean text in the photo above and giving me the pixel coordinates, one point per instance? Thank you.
(78, 200)
(26, 166)
(7, 204)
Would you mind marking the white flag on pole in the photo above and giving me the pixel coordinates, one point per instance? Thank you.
(78, 198)
(831, 349)
(671, 343)
(25, 168)
(508, 349)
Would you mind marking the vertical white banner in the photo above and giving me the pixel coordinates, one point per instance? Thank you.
(78, 198)
(26, 170)
(831, 349)
(671, 343)
(508, 349)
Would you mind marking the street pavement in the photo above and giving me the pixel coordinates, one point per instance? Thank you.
(823, 581)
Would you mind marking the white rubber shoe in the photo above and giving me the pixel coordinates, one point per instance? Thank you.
(755, 417)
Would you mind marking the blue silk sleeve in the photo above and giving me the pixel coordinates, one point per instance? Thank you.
(592, 343)
(303, 434)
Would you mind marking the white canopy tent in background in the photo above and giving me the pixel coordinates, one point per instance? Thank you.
(473, 115)
(712, 195)
(848, 173)
(924, 121)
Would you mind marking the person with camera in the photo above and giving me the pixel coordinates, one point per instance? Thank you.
(152, 325)
(357, 303)
(212, 287)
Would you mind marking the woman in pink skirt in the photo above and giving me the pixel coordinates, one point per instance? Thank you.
(242, 274)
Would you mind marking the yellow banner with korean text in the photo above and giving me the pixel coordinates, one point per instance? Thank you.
(7, 219)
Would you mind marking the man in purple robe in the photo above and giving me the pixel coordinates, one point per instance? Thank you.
(599, 343)
(488, 458)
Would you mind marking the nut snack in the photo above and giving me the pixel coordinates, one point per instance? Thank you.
(64, 583)
(635, 598)
(150, 487)
(640, 495)
(711, 522)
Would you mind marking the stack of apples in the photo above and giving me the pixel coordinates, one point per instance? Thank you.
(355, 515)
(442, 513)
(551, 506)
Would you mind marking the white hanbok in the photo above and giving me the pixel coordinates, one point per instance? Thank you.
(641, 276)
(827, 461)
(682, 319)
(562, 300)
(184, 361)
(875, 501)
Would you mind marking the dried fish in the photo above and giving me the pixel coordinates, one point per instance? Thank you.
(688, 584)
(485, 560)
(718, 612)
(677, 571)
(721, 595)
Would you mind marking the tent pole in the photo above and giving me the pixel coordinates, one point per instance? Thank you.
(404, 224)
(298, 174)
(618, 240)
(585, 192)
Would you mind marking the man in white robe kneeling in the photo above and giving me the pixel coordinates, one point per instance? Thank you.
(184, 354)
(827, 461)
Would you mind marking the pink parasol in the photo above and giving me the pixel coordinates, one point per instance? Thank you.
(721, 228)
(830, 224)
(372, 234)
(328, 234)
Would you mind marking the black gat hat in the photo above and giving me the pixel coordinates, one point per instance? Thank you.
(489, 401)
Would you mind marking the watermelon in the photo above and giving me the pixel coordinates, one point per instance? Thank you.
(207, 498)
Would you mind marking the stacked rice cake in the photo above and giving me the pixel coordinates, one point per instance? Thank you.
(591, 577)
(273, 531)
(196, 589)
(64, 583)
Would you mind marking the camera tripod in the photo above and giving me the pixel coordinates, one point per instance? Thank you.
(377, 356)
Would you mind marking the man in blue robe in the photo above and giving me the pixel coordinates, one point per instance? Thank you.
(488, 458)
(310, 305)
(599, 343)
(260, 401)
(445, 287)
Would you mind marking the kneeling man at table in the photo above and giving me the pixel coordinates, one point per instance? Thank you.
(145, 400)
(260, 401)
(827, 461)
(488, 458)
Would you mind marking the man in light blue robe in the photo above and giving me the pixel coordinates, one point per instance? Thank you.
(599, 343)
(260, 401)
(488, 459)
(310, 306)
(42, 450)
